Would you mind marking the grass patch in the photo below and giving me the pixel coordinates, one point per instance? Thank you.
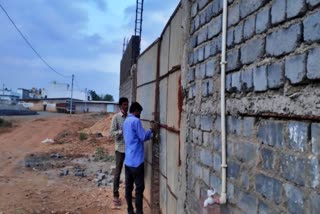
(101, 155)
(4, 123)
(83, 136)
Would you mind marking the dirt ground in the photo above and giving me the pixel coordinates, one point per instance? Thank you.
(59, 177)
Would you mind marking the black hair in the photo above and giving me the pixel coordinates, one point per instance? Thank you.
(135, 106)
(123, 100)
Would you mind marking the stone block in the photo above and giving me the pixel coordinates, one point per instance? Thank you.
(206, 177)
(207, 53)
(271, 133)
(249, 27)
(198, 121)
(204, 88)
(315, 138)
(196, 170)
(260, 79)
(296, 8)
(236, 81)
(314, 200)
(192, 121)
(196, 22)
(190, 59)
(198, 72)
(230, 37)
(202, 4)
(246, 152)
(215, 46)
(233, 125)
(233, 59)
(206, 157)
(238, 33)
(248, 125)
(229, 82)
(209, 12)
(216, 7)
(312, 28)
(197, 136)
(193, 41)
(211, 67)
(267, 159)
(298, 136)
(284, 40)
(200, 54)
(217, 143)
(249, 6)
(275, 75)
(210, 86)
(247, 80)
(217, 124)
(215, 182)
(214, 27)
(248, 203)
(264, 208)
(216, 162)
(191, 74)
(244, 180)
(269, 187)
(194, 9)
(252, 50)
(234, 14)
(206, 123)
(278, 11)
(294, 199)
(202, 18)
(263, 20)
(202, 36)
(233, 170)
(295, 69)
(313, 64)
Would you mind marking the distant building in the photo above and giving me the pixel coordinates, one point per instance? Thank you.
(7, 96)
(62, 90)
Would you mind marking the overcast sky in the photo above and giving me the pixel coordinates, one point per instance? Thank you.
(81, 37)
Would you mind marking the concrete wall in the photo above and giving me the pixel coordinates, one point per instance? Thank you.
(273, 121)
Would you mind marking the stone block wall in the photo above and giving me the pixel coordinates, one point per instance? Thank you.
(273, 122)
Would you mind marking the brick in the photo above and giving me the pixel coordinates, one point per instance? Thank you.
(191, 75)
(248, 203)
(198, 121)
(249, 6)
(202, 36)
(278, 11)
(230, 192)
(204, 89)
(236, 82)
(234, 14)
(284, 41)
(263, 208)
(249, 27)
(263, 20)
(211, 67)
(206, 139)
(197, 22)
(252, 50)
(214, 27)
(233, 125)
(202, 18)
(248, 124)
(312, 28)
(260, 79)
(209, 12)
(207, 48)
(192, 121)
(210, 87)
(216, 7)
(233, 59)
(230, 37)
(246, 152)
(247, 80)
(294, 198)
(194, 9)
(206, 177)
(217, 143)
(233, 170)
(314, 199)
(295, 9)
(193, 26)
(198, 71)
(215, 182)
(206, 157)
(217, 123)
(313, 64)
(216, 46)
(206, 123)
(267, 158)
(315, 138)
(197, 136)
(275, 75)
(229, 82)
(193, 42)
(203, 70)
(196, 170)
(269, 187)
(298, 136)
(271, 133)
(313, 2)
(295, 69)
(190, 59)
(217, 162)
(301, 171)
(200, 54)
(238, 33)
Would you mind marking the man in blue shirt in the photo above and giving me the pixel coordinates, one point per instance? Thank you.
(134, 138)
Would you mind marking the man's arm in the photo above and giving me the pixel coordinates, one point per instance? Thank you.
(142, 134)
(114, 129)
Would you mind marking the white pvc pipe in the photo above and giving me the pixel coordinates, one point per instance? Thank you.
(223, 195)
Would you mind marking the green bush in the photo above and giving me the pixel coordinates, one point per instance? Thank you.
(83, 136)
(4, 123)
(101, 155)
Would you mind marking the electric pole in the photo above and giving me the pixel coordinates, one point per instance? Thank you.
(71, 94)
(85, 100)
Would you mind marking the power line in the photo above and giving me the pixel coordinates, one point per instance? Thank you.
(26, 40)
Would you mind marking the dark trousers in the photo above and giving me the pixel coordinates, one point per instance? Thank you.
(135, 175)
(116, 180)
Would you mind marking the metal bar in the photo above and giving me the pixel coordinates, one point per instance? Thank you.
(282, 116)
(147, 83)
(173, 69)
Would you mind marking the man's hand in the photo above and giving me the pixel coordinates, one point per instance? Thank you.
(154, 126)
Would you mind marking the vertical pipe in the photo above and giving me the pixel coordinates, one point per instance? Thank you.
(71, 94)
(223, 195)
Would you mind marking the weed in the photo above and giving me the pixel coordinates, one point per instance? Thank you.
(83, 136)
(101, 155)
(4, 123)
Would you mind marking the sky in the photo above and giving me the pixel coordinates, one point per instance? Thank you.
(80, 37)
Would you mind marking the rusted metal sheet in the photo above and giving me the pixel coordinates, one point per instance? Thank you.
(147, 65)
(176, 40)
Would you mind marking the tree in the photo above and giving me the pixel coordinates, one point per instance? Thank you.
(94, 95)
(108, 97)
